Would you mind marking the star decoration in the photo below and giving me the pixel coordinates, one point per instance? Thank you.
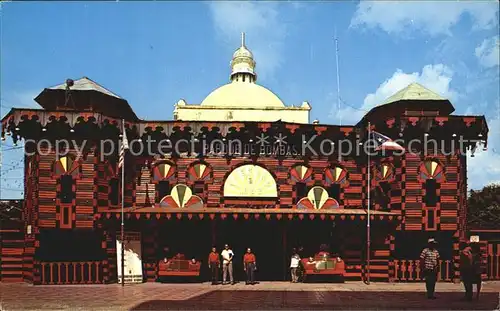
(262, 139)
(280, 139)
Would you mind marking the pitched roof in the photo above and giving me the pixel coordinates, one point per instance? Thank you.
(414, 91)
(85, 84)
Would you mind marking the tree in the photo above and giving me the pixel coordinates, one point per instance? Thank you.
(483, 210)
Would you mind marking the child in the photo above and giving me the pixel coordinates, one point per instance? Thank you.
(294, 265)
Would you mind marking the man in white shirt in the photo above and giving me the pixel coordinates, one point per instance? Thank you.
(294, 265)
(227, 264)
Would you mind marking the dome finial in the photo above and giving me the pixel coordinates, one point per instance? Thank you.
(243, 64)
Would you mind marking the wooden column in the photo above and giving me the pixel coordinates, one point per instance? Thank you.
(284, 230)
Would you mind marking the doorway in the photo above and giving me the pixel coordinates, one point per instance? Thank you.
(271, 241)
(264, 237)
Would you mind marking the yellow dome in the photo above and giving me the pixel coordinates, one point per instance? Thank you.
(241, 94)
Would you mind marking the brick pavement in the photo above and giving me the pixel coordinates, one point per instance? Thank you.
(267, 295)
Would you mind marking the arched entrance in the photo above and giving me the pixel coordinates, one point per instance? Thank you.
(253, 186)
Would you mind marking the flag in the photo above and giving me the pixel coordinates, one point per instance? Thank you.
(383, 142)
(124, 146)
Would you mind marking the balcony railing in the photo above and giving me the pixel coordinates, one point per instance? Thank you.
(410, 270)
(493, 262)
(82, 272)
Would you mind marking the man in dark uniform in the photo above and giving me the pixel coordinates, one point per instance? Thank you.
(476, 267)
(466, 269)
(214, 265)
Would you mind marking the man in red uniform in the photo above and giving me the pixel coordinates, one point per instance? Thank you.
(214, 265)
(249, 265)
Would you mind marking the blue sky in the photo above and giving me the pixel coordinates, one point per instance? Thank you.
(155, 53)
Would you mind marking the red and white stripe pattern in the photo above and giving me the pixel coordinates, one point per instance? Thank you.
(383, 142)
(124, 146)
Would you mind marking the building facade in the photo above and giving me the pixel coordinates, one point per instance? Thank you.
(240, 168)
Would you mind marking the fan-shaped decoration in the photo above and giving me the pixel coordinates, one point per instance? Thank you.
(163, 171)
(181, 196)
(250, 181)
(336, 175)
(199, 171)
(301, 173)
(317, 198)
(430, 169)
(66, 166)
(385, 171)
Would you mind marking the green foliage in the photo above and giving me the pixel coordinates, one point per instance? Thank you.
(483, 210)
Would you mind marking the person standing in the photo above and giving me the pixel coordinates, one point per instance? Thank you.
(466, 272)
(301, 271)
(249, 265)
(214, 265)
(476, 268)
(294, 265)
(227, 264)
(429, 261)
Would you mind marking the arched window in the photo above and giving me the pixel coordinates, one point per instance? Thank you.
(317, 198)
(199, 172)
(385, 172)
(431, 173)
(301, 173)
(250, 181)
(66, 166)
(163, 171)
(335, 180)
(113, 181)
(336, 175)
(431, 169)
(66, 169)
(181, 197)
(163, 174)
(114, 192)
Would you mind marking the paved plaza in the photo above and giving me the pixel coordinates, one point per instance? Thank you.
(263, 296)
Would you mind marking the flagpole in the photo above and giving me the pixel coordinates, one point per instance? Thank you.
(368, 237)
(122, 229)
(338, 75)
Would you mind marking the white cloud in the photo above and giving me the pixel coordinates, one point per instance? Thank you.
(262, 25)
(431, 17)
(488, 52)
(436, 78)
(18, 99)
(484, 167)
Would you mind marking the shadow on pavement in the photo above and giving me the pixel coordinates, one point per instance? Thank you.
(322, 300)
